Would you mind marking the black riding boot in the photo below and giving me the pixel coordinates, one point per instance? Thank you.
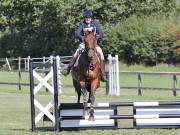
(103, 76)
(67, 70)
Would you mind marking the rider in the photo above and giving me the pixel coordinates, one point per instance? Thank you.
(88, 22)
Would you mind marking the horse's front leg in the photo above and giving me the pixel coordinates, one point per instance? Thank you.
(94, 85)
(91, 112)
(85, 99)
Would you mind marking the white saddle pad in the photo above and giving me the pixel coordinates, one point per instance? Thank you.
(77, 60)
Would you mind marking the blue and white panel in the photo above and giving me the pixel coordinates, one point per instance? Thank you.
(105, 113)
(79, 112)
(87, 123)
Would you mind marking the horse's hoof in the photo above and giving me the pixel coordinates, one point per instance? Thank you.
(91, 118)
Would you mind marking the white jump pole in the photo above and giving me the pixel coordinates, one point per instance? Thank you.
(110, 74)
(7, 61)
(117, 76)
(114, 87)
(59, 74)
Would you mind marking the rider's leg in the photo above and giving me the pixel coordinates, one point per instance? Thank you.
(73, 59)
(71, 63)
(103, 76)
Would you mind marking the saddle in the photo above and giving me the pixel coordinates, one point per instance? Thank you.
(79, 55)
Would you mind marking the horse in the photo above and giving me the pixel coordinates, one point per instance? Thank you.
(86, 76)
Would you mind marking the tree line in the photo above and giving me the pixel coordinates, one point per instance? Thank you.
(139, 31)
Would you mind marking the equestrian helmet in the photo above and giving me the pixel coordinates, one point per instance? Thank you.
(87, 13)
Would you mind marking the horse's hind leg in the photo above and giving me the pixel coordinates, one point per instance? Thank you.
(79, 97)
(78, 90)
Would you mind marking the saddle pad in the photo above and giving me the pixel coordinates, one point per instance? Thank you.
(77, 60)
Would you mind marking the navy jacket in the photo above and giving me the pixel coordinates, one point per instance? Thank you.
(79, 31)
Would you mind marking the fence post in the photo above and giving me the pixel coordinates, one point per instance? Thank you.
(174, 85)
(139, 85)
(55, 85)
(113, 79)
(44, 62)
(19, 73)
(51, 61)
(28, 58)
(30, 69)
(59, 74)
(117, 76)
(107, 83)
(44, 68)
(110, 74)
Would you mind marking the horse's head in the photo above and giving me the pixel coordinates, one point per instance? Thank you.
(90, 47)
(90, 42)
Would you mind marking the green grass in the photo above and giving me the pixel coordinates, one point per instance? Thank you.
(15, 105)
(15, 112)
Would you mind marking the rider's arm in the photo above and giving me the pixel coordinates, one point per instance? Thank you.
(99, 31)
(99, 34)
(78, 32)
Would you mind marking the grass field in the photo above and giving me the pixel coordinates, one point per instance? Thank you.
(15, 104)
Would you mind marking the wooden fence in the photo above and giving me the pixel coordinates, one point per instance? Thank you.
(140, 86)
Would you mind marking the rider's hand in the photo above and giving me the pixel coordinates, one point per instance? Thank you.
(100, 43)
(82, 38)
(90, 29)
(97, 36)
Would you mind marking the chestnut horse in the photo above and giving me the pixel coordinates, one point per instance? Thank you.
(86, 76)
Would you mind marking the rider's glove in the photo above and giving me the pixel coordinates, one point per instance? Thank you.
(82, 38)
(97, 36)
